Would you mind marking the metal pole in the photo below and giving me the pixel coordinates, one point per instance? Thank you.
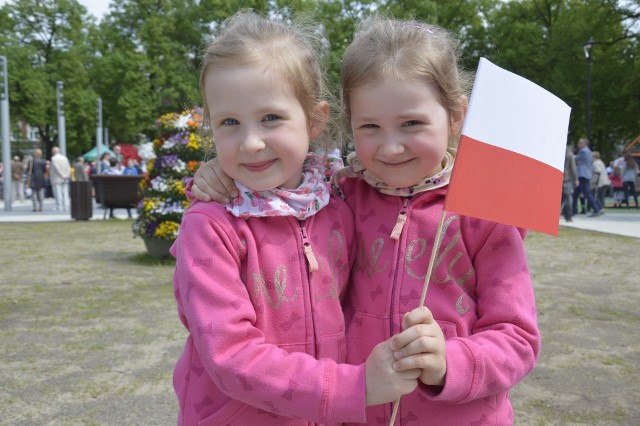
(62, 137)
(99, 136)
(589, 102)
(4, 133)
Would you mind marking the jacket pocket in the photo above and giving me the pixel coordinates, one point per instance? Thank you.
(225, 415)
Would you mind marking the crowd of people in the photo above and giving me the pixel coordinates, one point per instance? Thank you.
(588, 182)
(36, 178)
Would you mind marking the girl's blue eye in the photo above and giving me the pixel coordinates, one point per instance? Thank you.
(271, 117)
(229, 122)
(411, 123)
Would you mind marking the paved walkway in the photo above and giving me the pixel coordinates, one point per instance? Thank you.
(624, 222)
(21, 212)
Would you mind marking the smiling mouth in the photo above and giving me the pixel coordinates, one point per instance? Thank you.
(397, 164)
(260, 166)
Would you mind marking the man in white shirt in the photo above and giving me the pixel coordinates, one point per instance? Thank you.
(59, 174)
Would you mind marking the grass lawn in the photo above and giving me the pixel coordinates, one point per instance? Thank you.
(90, 334)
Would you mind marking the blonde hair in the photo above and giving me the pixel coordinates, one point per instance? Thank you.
(596, 155)
(292, 50)
(37, 153)
(407, 50)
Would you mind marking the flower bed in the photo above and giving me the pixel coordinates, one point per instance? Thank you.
(179, 150)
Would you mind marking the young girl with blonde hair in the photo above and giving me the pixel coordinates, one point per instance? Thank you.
(259, 282)
(404, 98)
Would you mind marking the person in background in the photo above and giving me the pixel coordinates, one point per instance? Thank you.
(600, 179)
(17, 178)
(130, 169)
(117, 150)
(584, 161)
(104, 163)
(618, 188)
(59, 175)
(37, 170)
(569, 183)
(115, 170)
(80, 170)
(629, 175)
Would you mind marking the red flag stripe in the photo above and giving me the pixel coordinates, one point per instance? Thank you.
(503, 186)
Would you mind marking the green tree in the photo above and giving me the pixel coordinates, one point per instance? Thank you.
(542, 40)
(45, 42)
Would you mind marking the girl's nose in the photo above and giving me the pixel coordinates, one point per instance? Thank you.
(252, 142)
(392, 145)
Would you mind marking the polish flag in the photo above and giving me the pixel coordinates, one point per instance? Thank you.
(510, 160)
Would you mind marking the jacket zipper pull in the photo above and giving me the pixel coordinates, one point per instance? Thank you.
(308, 251)
(402, 219)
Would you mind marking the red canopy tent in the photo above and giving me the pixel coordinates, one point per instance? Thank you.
(128, 151)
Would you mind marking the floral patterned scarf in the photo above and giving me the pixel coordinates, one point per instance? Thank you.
(438, 180)
(302, 202)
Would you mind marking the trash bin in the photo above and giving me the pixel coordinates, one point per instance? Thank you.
(81, 202)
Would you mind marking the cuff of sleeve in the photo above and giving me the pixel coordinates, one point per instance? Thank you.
(462, 371)
(348, 399)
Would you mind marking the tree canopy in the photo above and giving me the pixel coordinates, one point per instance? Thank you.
(142, 59)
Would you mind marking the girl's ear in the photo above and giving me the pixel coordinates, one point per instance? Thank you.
(457, 116)
(319, 120)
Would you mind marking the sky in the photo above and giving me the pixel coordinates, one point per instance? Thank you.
(96, 8)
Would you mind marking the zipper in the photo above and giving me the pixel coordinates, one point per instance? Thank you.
(401, 220)
(308, 250)
(395, 235)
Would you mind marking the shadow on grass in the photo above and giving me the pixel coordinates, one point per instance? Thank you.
(147, 260)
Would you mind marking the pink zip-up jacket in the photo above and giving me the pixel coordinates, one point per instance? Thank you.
(266, 342)
(480, 294)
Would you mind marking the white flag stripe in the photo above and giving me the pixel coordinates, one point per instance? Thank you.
(510, 112)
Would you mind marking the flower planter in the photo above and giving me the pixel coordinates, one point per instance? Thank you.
(178, 150)
(157, 247)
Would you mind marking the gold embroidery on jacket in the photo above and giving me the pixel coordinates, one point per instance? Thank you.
(336, 265)
(374, 256)
(279, 284)
(409, 257)
(463, 303)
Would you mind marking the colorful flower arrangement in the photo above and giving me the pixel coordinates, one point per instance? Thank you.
(179, 149)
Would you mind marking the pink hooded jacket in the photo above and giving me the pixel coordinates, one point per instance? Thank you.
(266, 335)
(480, 294)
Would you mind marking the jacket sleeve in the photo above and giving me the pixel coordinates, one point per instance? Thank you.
(216, 308)
(504, 344)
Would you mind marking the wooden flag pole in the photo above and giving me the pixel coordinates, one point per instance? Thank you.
(425, 287)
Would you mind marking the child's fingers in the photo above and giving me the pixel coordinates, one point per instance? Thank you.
(199, 194)
(413, 333)
(409, 373)
(422, 344)
(219, 181)
(415, 362)
(420, 315)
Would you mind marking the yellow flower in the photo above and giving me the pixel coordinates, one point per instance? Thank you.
(167, 230)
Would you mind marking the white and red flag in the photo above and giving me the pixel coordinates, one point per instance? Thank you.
(510, 160)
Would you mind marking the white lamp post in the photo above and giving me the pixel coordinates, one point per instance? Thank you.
(62, 137)
(587, 46)
(4, 133)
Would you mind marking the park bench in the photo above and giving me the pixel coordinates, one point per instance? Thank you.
(116, 191)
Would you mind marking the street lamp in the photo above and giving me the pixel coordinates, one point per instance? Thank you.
(4, 132)
(99, 134)
(587, 46)
(62, 138)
